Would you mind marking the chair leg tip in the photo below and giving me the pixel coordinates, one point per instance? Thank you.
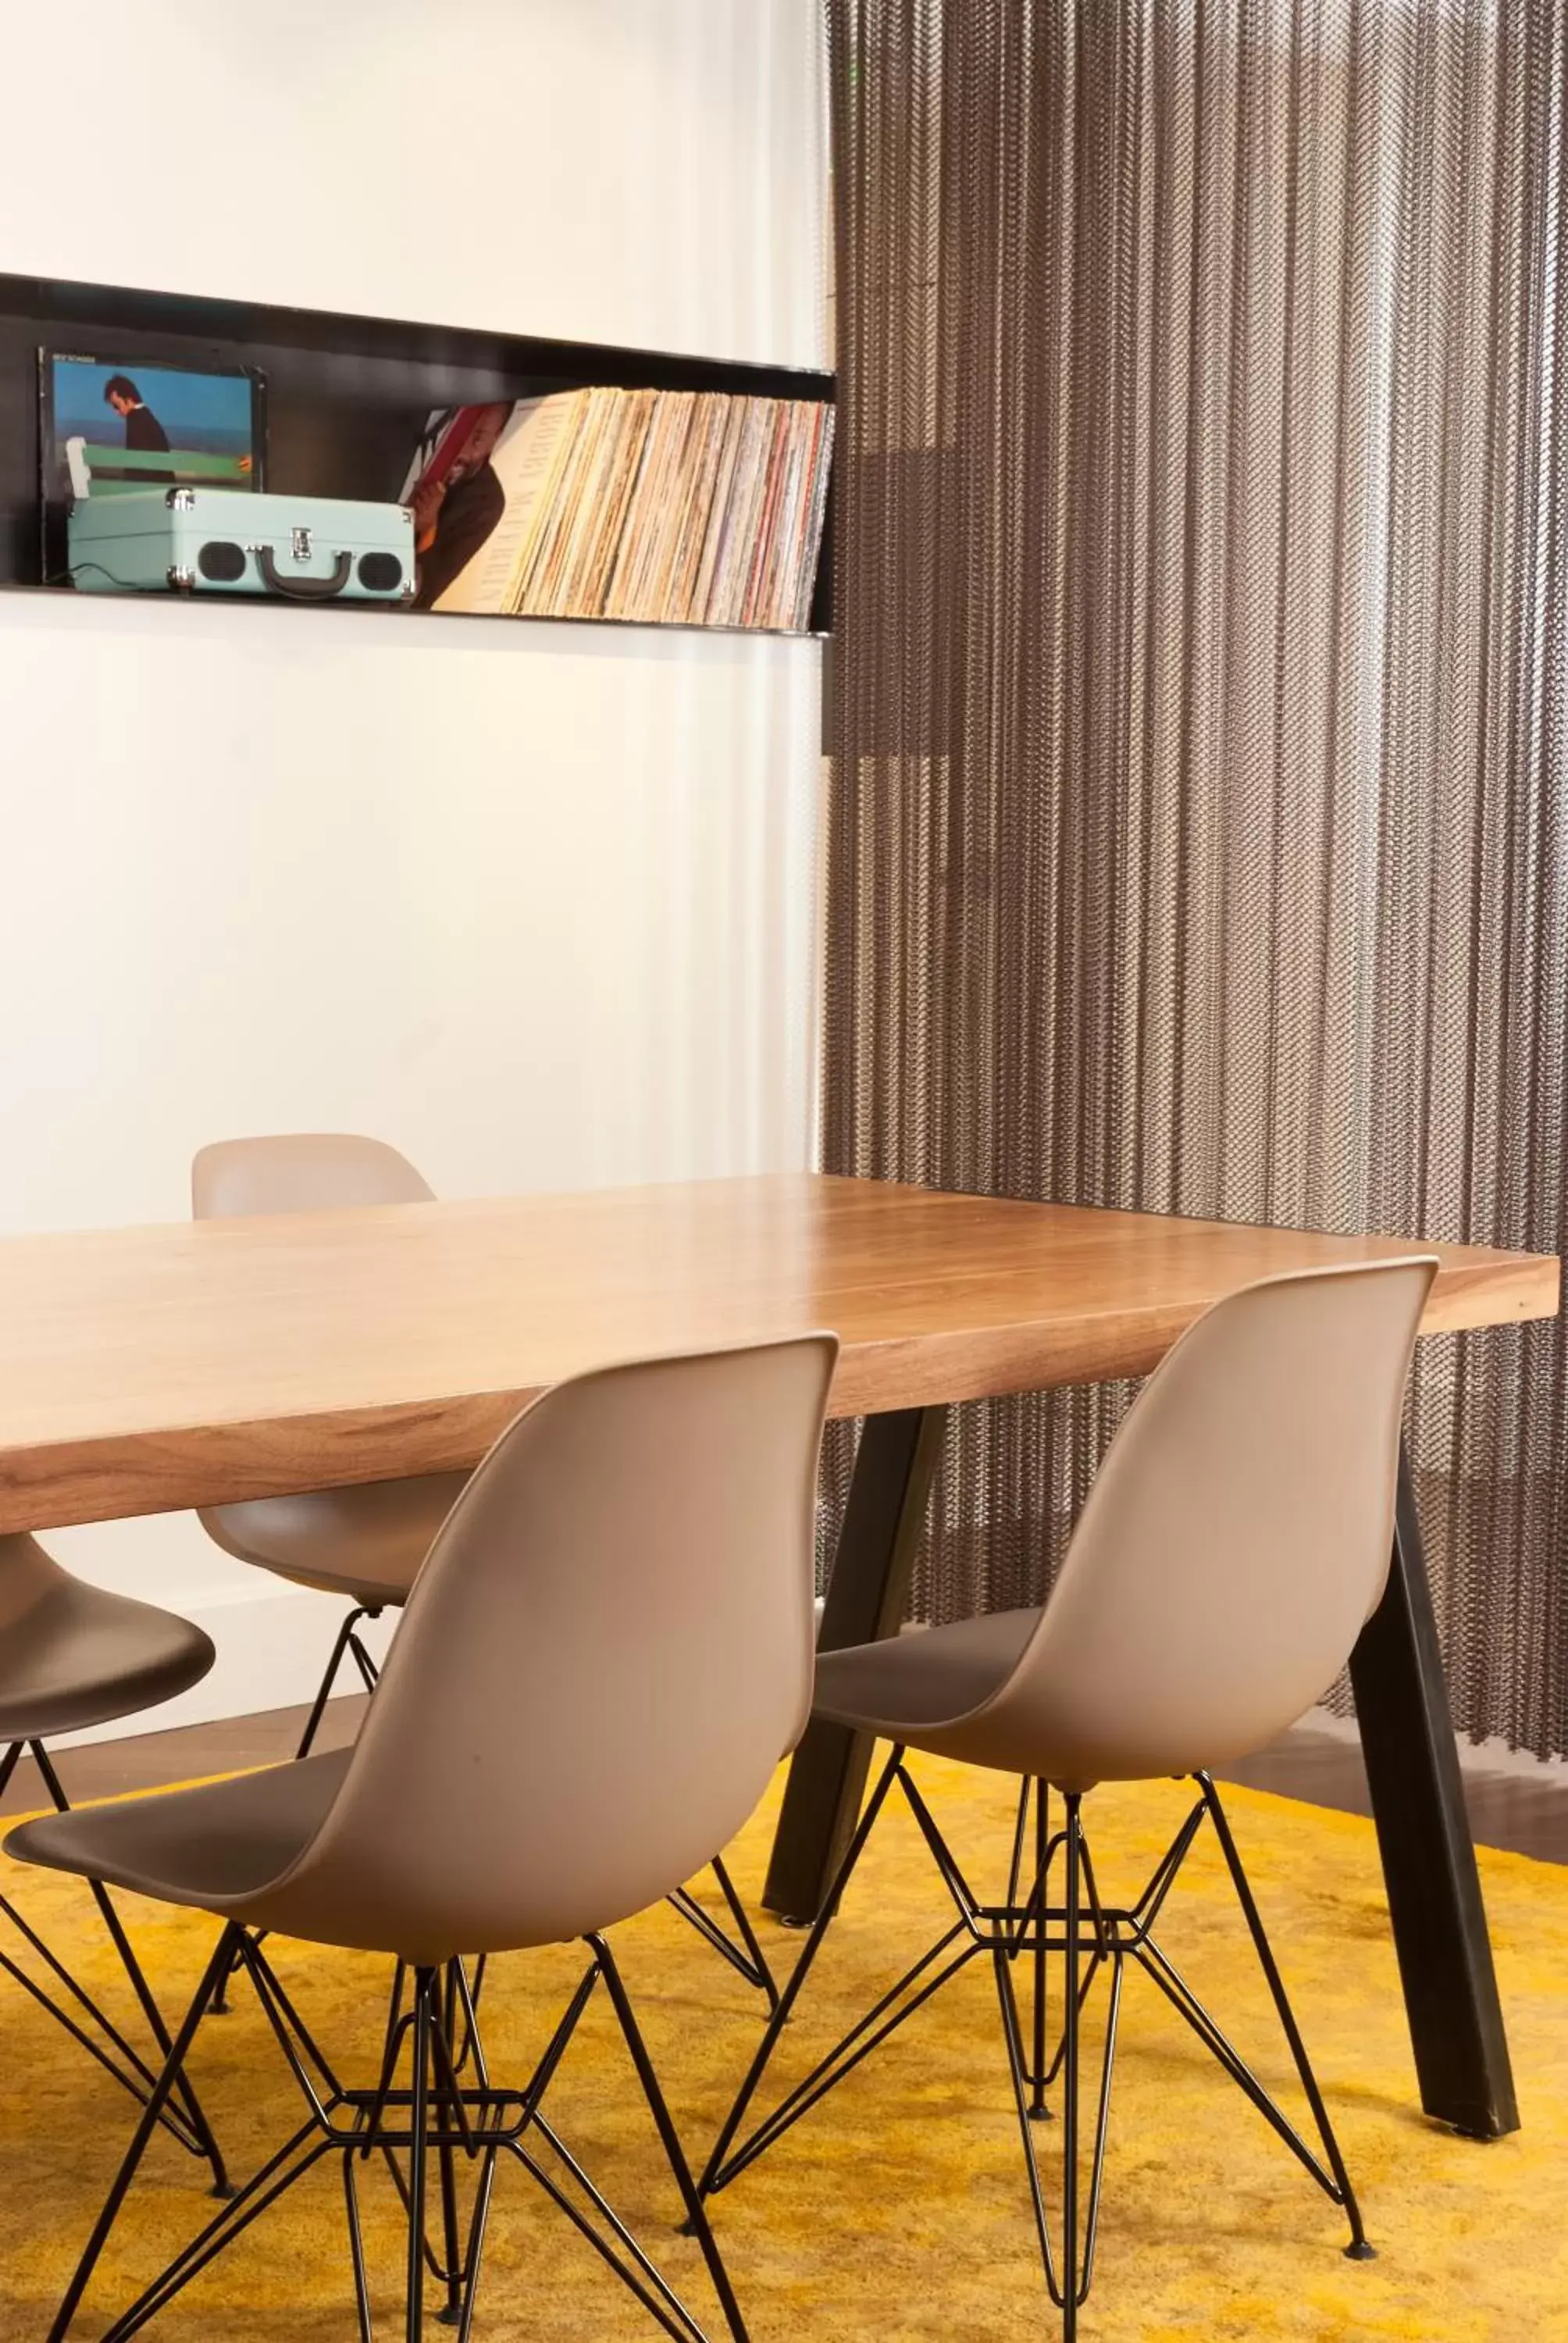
(226, 2191)
(449, 2315)
(1360, 2252)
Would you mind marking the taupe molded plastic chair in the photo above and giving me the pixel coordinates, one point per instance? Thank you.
(369, 1543)
(1237, 1538)
(609, 1647)
(365, 1543)
(73, 1655)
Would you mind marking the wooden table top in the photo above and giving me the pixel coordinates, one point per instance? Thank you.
(143, 1370)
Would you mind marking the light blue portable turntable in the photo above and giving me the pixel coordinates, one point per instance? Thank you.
(199, 541)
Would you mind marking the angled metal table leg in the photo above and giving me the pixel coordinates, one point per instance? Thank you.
(867, 1597)
(1428, 1859)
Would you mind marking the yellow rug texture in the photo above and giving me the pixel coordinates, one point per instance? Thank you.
(898, 2209)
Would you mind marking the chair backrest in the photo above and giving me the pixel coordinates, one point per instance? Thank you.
(602, 1661)
(1235, 1540)
(301, 1171)
(336, 1530)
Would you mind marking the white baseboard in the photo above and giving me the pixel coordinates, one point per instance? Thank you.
(272, 1639)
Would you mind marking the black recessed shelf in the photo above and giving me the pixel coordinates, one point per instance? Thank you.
(346, 398)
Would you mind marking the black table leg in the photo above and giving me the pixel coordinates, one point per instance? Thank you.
(1428, 1860)
(867, 1597)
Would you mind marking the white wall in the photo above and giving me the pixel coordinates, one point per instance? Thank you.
(645, 171)
(537, 904)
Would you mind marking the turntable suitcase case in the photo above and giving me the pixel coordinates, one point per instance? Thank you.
(231, 541)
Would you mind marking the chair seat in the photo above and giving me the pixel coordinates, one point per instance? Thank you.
(367, 1542)
(210, 1847)
(74, 1655)
(914, 1684)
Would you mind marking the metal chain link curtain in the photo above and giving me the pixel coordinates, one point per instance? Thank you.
(1197, 824)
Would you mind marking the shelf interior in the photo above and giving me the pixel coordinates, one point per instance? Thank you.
(346, 395)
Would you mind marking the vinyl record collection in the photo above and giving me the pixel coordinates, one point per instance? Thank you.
(698, 508)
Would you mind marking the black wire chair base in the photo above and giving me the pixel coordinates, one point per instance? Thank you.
(439, 2138)
(67, 2001)
(347, 1645)
(742, 1951)
(1080, 1940)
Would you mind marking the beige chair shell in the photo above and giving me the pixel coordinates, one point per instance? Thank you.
(1236, 1539)
(301, 1171)
(365, 1543)
(72, 1654)
(609, 1646)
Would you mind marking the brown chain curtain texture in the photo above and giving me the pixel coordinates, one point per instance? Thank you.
(1197, 837)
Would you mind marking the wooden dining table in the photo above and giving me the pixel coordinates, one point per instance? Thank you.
(149, 1368)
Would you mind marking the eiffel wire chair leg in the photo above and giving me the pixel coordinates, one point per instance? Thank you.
(356, 2247)
(435, 2100)
(284, 2005)
(206, 2143)
(639, 2270)
(463, 2261)
(1105, 1949)
(902, 1999)
(1038, 2111)
(761, 1967)
(1358, 2248)
(1156, 1963)
(398, 2024)
(1102, 2128)
(206, 2139)
(696, 2210)
(220, 2000)
(179, 2052)
(613, 2242)
(560, 2040)
(1012, 2036)
(1020, 1840)
(135, 2076)
(711, 1931)
(470, 1994)
(1071, 2018)
(1166, 1871)
(369, 1674)
(935, 1967)
(260, 2193)
(449, 2114)
(713, 2171)
(418, 2121)
(195, 2134)
(1067, 2279)
(963, 1896)
(474, 2257)
(343, 1643)
(662, 2303)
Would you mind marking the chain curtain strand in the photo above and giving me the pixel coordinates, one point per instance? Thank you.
(1197, 837)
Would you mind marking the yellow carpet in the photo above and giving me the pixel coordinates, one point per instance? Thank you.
(898, 2209)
